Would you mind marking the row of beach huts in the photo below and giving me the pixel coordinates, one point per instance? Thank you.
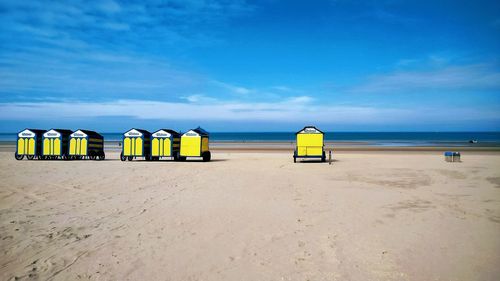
(85, 144)
(138, 143)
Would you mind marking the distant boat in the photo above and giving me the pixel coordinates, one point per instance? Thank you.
(473, 141)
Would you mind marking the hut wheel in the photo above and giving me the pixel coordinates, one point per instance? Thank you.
(206, 156)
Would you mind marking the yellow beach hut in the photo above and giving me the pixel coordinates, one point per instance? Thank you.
(165, 143)
(55, 144)
(29, 144)
(194, 143)
(136, 143)
(309, 144)
(86, 144)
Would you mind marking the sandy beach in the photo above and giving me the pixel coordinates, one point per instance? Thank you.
(376, 215)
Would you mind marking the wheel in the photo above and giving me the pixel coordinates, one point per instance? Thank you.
(130, 158)
(30, 157)
(93, 157)
(206, 156)
(66, 157)
(40, 157)
(19, 157)
(123, 158)
(102, 156)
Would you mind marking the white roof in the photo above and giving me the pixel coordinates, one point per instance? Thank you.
(161, 134)
(78, 134)
(191, 133)
(133, 133)
(52, 134)
(26, 134)
(309, 130)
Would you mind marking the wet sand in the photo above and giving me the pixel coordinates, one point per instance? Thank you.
(252, 216)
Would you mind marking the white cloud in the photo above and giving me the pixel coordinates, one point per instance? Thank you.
(301, 100)
(477, 77)
(282, 88)
(232, 88)
(199, 99)
(299, 109)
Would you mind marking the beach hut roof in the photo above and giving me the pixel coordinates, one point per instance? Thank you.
(199, 131)
(165, 133)
(30, 133)
(310, 130)
(57, 133)
(86, 133)
(137, 132)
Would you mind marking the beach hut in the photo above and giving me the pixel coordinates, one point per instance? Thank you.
(165, 143)
(309, 144)
(29, 143)
(86, 144)
(136, 143)
(55, 144)
(194, 143)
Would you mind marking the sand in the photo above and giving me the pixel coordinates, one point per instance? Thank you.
(252, 216)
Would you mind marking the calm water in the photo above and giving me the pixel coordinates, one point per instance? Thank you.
(367, 138)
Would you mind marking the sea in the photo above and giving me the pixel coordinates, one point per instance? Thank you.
(489, 139)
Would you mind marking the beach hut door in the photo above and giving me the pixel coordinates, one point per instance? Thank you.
(26, 146)
(52, 146)
(161, 147)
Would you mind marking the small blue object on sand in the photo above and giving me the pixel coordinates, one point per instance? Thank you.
(452, 156)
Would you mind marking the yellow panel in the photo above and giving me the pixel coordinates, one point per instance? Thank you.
(301, 151)
(166, 147)
(31, 146)
(57, 147)
(138, 146)
(190, 146)
(314, 151)
(72, 146)
(310, 140)
(309, 151)
(155, 147)
(126, 147)
(309, 144)
(46, 146)
(204, 144)
(83, 147)
(20, 146)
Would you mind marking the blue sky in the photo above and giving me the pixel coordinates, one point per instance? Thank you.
(250, 65)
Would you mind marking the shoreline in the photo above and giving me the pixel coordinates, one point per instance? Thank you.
(113, 146)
